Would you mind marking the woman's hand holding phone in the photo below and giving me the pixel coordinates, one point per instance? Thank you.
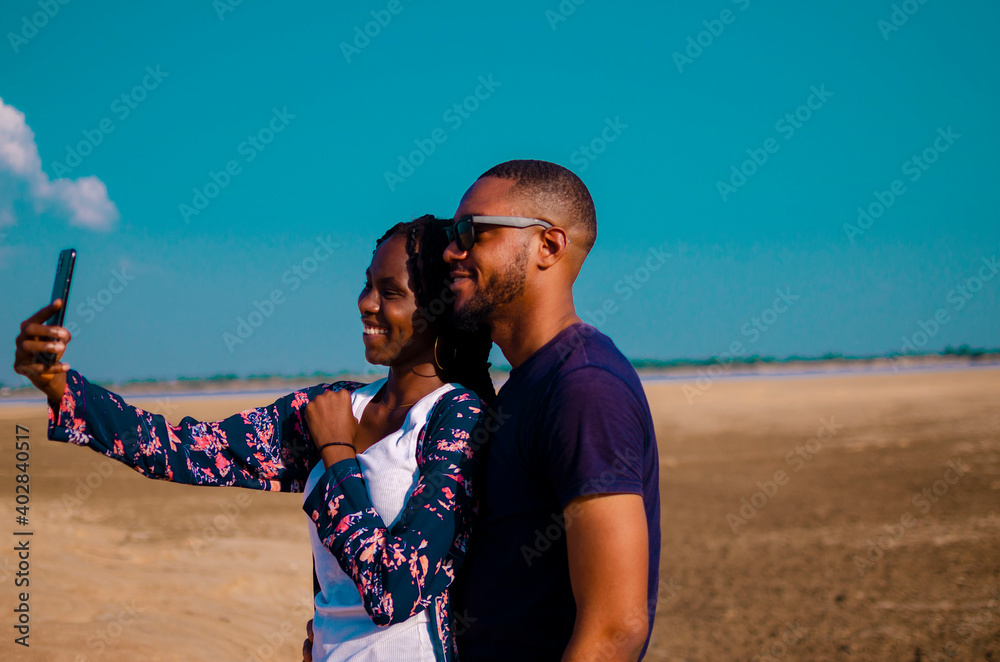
(36, 337)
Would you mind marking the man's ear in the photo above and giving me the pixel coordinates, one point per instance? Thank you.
(555, 244)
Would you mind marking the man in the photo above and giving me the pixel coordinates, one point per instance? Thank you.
(564, 560)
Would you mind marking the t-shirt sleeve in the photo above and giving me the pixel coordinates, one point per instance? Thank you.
(594, 436)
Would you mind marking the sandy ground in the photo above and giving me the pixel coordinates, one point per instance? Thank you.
(836, 553)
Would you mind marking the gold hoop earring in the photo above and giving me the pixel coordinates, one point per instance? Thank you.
(437, 363)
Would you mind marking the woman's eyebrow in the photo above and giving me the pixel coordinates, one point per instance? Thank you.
(391, 280)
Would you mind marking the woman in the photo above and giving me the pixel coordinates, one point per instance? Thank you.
(387, 468)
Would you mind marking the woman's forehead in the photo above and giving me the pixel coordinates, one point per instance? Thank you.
(390, 259)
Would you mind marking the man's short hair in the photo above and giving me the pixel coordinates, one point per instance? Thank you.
(551, 187)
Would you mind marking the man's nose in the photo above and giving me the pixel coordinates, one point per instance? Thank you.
(453, 254)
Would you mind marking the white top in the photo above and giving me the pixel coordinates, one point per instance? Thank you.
(342, 629)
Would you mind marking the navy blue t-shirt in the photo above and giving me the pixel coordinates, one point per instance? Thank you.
(573, 420)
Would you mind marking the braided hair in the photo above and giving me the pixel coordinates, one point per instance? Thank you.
(464, 356)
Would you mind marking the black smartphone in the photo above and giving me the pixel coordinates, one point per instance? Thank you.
(60, 290)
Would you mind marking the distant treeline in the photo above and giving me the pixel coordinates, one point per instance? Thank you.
(962, 351)
(317, 377)
(228, 377)
(639, 364)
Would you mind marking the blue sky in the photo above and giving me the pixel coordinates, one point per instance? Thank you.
(728, 146)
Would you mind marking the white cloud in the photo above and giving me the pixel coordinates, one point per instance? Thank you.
(83, 201)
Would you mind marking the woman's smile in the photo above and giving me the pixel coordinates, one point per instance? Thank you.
(372, 330)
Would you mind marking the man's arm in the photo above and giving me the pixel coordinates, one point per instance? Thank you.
(607, 541)
(597, 448)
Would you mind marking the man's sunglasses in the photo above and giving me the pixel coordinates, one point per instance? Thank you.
(463, 232)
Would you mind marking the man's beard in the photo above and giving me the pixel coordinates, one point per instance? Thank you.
(497, 291)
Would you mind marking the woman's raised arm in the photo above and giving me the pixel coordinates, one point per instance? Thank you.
(267, 448)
